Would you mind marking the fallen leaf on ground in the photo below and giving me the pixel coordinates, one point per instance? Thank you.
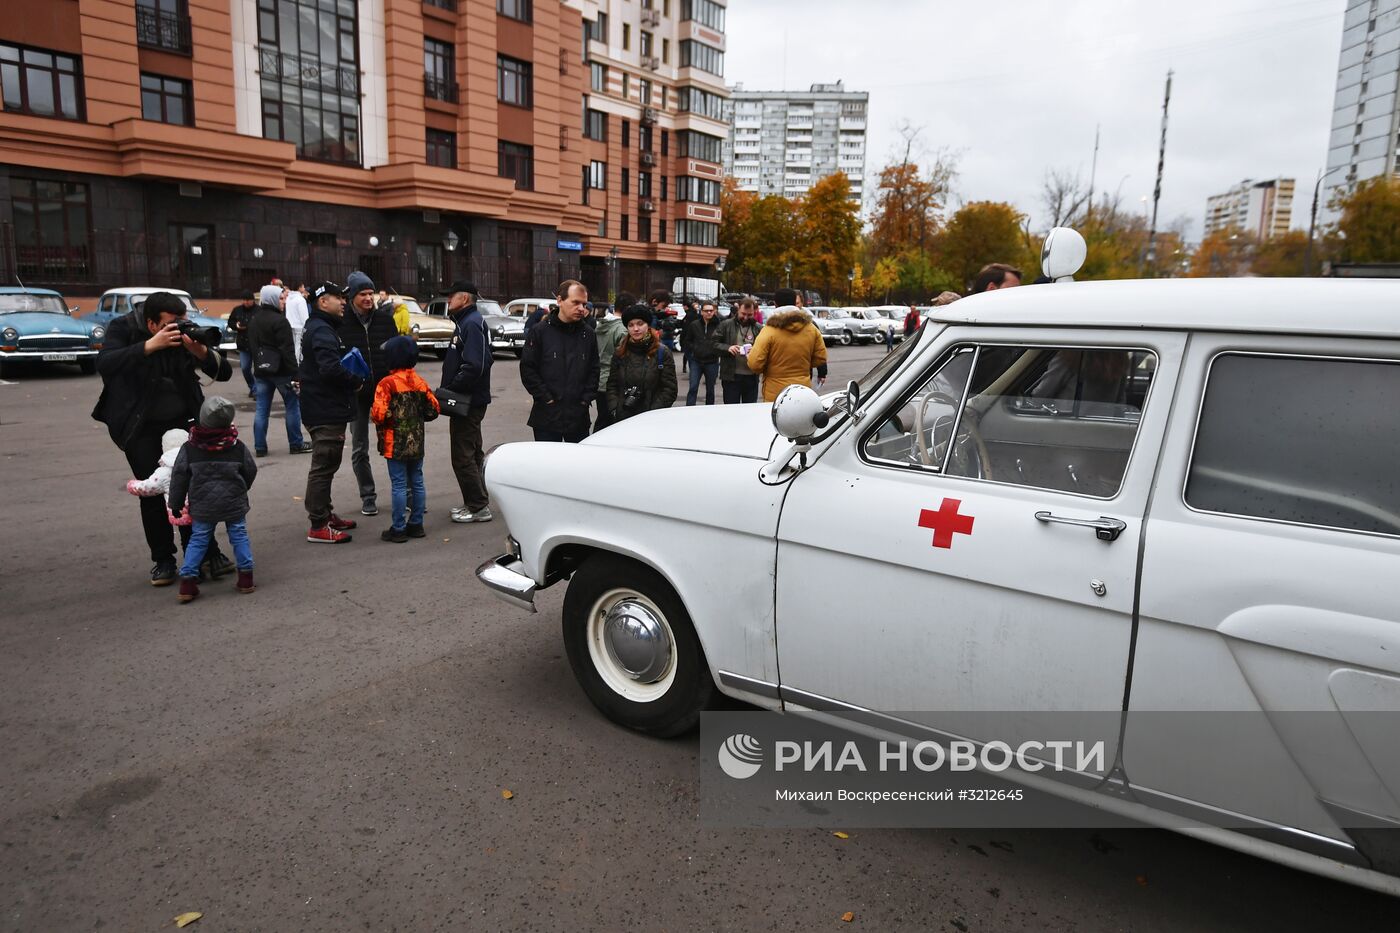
(186, 919)
(507, 794)
(840, 835)
(848, 916)
(296, 498)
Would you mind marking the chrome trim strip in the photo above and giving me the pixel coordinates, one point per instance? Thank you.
(501, 576)
(822, 704)
(749, 685)
(40, 354)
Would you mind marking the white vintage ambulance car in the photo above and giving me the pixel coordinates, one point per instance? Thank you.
(1122, 497)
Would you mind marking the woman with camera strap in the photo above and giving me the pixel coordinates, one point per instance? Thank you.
(643, 374)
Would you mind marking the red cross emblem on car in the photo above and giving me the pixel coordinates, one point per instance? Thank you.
(946, 522)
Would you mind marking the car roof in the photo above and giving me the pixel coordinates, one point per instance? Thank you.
(143, 290)
(16, 290)
(1333, 307)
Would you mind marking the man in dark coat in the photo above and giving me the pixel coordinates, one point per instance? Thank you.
(238, 320)
(736, 336)
(150, 385)
(367, 325)
(327, 406)
(467, 370)
(703, 345)
(269, 336)
(559, 368)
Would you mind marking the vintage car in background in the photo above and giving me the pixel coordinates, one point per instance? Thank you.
(839, 326)
(507, 333)
(118, 301)
(431, 333)
(37, 326)
(524, 307)
(1120, 501)
(886, 320)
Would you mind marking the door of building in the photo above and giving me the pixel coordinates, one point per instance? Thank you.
(517, 263)
(192, 258)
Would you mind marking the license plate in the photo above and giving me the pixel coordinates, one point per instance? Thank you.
(60, 357)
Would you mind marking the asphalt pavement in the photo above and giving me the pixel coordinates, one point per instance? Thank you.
(332, 752)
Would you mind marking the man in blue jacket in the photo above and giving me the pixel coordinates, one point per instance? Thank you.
(327, 406)
(467, 370)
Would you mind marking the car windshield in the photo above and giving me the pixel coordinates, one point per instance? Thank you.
(889, 364)
(138, 300)
(485, 307)
(49, 304)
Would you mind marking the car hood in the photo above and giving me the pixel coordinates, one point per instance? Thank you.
(39, 323)
(726, 430)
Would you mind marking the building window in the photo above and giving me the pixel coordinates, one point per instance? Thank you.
(645, 43)
(166, 100)
(644, 138)
(665, 142)
(661, 227)
(596, 29)
(698, 190)
(699, 55)
(439, 71)
(164, 25)
(626, 86)
(644, 184)
(694, 100)
(704, 12)
(595, 125)
(644, 229)
(623, 233)
(598, 77)
(626, 37)
(665, 51)
(515, 9)
(517, 162)
(308, 62)
(53, 225)
(696, 233)
(626, 133)
(644, 91)
(664, 182)
(442, 148)
(513, 82)
(699, 146)
(45, 84)
(597, 175)
(626, 181)
(450, 5)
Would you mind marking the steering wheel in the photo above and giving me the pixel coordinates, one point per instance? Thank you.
(928, 451)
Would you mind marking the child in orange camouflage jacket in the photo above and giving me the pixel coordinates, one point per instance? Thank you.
(402, 403)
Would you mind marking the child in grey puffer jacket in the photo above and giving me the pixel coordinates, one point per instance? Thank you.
(213, 471)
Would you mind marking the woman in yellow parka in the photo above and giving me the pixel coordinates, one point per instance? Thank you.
(787, 350)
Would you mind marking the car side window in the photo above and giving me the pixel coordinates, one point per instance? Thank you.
(105, 303)
(123, 305)
(1303, 440)
(1059, 418)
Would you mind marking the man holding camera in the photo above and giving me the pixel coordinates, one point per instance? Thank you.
(150, 365)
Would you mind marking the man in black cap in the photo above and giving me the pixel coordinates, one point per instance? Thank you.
(327, 405)
(369, 326)
(238, 320)
(467, 370)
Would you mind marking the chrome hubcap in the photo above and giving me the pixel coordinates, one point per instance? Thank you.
(637, 641)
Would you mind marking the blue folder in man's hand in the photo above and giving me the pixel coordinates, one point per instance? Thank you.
(354, 361)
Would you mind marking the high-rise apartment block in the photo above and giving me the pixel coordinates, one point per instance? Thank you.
(1263, 209)
(210, 144)
(783, 142)
(1365, 116)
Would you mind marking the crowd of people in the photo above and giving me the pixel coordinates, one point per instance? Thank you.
(341, 360)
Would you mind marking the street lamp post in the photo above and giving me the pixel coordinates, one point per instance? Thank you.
(720, 262)
(850, 284)
(449, 243)
(787, 267)
(612, 266)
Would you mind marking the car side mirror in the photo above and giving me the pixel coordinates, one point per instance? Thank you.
(852, 398)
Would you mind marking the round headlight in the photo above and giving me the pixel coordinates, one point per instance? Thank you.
(498, 331)
(98, 332)
(414, 329)
(9, 334)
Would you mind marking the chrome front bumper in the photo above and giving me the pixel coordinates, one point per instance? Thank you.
(60, 356)
(502, 575)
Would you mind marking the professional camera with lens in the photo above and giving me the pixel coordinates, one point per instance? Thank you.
(632, 399)
(209, 336)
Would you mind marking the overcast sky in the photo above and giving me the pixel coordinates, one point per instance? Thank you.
(1016, 88)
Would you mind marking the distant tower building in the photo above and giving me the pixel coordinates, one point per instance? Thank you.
(1261, 208)
(1364, 113)
(783, 142)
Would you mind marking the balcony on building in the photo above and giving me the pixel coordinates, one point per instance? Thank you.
(437, 88)
(163, 30)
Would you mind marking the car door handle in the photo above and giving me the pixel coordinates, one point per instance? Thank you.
(1105, 528)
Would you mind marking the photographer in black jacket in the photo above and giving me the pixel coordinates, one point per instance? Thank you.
(150, 365)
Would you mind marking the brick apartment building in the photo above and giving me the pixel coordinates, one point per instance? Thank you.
(210, 144)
